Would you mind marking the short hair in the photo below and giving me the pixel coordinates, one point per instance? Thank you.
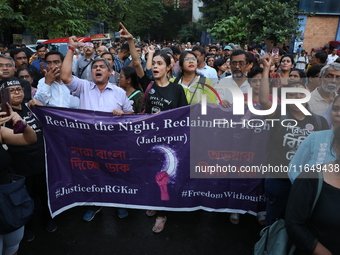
(24, 69)
(335, 66)
(321, 55)
(302, 73)
(200, 49)
(41, 46)
(125, 47)
(8, 57)
(55, 53)
(287, 56)
(108, 53)
(213, 47)
(240, 52)
(104, 60)
(183, 56)
(219, 62)
(292, 84)
(254, 71)
(17, 51)
(175, 49)
(314, 70)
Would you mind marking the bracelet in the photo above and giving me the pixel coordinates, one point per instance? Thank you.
(71, 48)
(19, 127)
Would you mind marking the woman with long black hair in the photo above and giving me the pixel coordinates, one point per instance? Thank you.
(165, 95)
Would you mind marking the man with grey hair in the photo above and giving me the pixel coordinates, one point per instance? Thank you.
(323, 96)
(101, 49)
(7, 70)
(98, 94)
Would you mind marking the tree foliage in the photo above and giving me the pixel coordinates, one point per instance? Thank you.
(230, 30)
(259, 20)
(8, 15)
(61, 18)
(190, 32)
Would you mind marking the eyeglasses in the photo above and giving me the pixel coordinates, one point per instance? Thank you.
(240, 64)
(17, 90)
(190, 59)
(6, 65)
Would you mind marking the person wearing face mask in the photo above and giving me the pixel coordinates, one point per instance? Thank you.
(323, 96)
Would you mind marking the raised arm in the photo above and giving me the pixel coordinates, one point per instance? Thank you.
(151, 50)
(264, 89)
(124, 33)
(66, 68)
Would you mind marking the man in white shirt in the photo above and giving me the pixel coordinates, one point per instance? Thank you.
(332, 57)
(302, 61)
(323, 96)
(239, 64)
(51, 90)
(202, 67)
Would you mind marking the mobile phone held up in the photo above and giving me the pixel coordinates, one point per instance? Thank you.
(5, 98)
(275, 52)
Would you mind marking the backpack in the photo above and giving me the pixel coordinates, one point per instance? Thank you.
(274, 238)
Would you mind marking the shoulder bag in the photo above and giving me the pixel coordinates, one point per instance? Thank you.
(274, 238)
(16, 206)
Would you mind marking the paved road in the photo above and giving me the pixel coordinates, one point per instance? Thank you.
(186, 233)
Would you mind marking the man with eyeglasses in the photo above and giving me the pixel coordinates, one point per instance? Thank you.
(29, 160)
(323, 96)
(51, 90)
(101, 50)
(240, 66)
(7, 70)
(319, 58)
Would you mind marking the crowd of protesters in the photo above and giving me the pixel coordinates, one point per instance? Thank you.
(124, 72)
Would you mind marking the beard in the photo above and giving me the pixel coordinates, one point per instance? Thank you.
(238, 75)
(329, 87)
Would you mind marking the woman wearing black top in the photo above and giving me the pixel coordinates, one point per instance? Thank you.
(9, 242)
(317, 232)
(161, 94)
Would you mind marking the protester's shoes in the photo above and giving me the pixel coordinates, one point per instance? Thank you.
(28, 235)
(51, 226)
(235, 218)
(89, 215)
(122, 213)
(159, 224)
(150, 213)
